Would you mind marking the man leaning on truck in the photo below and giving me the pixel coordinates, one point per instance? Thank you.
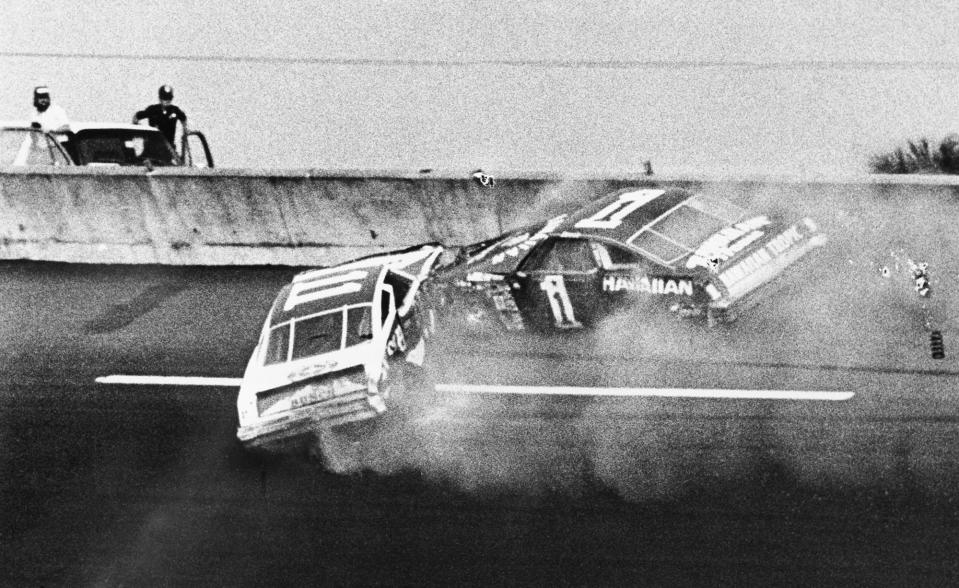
(163, 115)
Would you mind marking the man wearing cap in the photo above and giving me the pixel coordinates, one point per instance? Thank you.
(164, 115)
(46, 115)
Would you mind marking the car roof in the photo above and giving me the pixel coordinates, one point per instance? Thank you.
(642, 207)
(625, 211)
(348, 284)
(323, 290)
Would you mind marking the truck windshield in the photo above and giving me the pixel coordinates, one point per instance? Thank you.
(121, 147)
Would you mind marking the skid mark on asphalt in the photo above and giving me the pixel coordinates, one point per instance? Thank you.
(119, 315)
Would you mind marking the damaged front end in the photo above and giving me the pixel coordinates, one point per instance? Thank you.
(758, 271)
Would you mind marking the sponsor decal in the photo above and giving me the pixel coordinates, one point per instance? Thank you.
(483, 277)
(648, 286)
(747, 266)
(727, 242)
(784, 241)
(777, 246)
(315, 393)
(312, 370)
(320, 391)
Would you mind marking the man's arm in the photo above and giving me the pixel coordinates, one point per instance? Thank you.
(182, 116)
(140, 115)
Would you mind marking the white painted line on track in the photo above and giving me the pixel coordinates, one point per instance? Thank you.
(169, 380)
(837, 395)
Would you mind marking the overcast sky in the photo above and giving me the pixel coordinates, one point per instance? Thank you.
(714, 86)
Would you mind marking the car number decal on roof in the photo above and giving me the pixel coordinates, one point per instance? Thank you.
(612, 215)
(304, 291)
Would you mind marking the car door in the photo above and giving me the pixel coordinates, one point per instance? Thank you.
(629, 279)
(558, 284)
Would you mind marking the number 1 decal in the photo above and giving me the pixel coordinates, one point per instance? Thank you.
(559, 302)
(612, 216)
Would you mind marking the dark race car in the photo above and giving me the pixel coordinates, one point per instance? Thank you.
(338, 345)
(637, 249)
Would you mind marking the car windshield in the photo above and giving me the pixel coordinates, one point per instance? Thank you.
(681, 230)
(121, 147)
(28, 147)
(319, 334)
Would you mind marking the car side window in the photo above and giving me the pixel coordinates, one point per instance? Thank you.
(615, 257)
(401, 287)
(562, 255)
(385, 303)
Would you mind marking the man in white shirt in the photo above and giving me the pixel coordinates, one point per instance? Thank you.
(48, 116)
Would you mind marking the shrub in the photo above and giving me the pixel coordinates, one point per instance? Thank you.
(919, 157)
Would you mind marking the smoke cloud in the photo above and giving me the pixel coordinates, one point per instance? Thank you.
(848, 315)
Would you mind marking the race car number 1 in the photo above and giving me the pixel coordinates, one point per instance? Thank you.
(612, 216)
(559, 302)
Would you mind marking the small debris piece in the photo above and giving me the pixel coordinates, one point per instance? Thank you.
(884, 271)
(483, 178)
(936, 345)
(920, 277)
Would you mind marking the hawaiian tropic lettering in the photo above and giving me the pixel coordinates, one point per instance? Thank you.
(779, 244)
(727, 242)
(646, 285)
(784, 240)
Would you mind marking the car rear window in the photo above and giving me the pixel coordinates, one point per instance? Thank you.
(317, 335)
(686, 227)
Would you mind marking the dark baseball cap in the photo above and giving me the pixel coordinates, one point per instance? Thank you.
(166, 92)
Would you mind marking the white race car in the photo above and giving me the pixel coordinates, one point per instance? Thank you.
(338, 346)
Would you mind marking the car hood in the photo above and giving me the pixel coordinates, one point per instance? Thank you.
(744, 256)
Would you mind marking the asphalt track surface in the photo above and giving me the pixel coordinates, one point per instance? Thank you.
(112, 485)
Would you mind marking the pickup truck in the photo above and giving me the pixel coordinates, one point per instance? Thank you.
(91, 144)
